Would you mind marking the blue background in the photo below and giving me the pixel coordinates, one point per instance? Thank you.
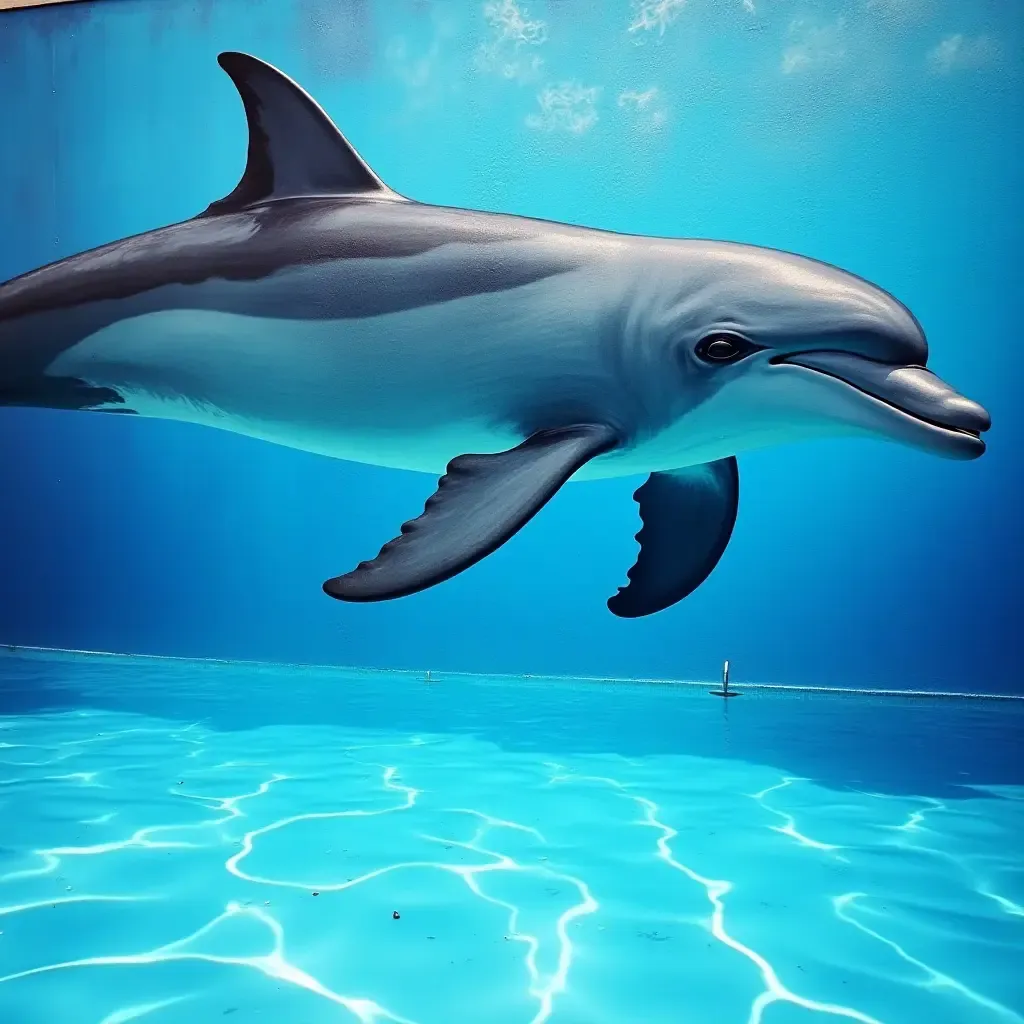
(848, 132)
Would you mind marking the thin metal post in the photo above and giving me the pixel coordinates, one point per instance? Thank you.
(725, 691)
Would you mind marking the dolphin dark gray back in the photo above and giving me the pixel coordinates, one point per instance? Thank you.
(311, 258)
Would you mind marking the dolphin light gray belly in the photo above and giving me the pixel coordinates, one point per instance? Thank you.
(407, 389)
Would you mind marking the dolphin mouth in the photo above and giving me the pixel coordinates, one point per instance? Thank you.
(913, 391)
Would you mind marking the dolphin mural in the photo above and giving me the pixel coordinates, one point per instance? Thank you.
(316, 308)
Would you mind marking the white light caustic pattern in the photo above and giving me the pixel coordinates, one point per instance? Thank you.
(716, 891)
(275, 856)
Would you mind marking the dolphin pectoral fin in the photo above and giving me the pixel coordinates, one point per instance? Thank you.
(294, 147)
(480, 502)
(688, 517)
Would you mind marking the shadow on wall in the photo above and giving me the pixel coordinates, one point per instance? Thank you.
(901, 746)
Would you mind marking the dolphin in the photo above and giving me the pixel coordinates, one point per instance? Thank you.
(315, 307)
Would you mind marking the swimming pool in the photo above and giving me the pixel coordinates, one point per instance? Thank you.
(193, 841)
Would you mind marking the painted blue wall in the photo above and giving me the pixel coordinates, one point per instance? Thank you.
(881, 135)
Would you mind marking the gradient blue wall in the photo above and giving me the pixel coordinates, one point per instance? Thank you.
(881, 135)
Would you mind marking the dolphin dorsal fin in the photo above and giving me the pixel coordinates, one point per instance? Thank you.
(294, 147)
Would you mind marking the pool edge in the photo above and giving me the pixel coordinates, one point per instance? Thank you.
(436, 676)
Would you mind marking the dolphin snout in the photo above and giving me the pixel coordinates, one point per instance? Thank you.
(911, 390)
(956, 410)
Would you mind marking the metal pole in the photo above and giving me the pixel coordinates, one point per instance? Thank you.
(725, 691)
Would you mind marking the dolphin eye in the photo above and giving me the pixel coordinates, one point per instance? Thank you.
(722, 347)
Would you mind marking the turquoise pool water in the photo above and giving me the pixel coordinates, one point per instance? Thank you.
(196, 842)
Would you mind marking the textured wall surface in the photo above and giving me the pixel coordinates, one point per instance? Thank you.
(882, 136)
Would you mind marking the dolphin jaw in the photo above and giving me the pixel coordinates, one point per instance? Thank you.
(939, 420)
